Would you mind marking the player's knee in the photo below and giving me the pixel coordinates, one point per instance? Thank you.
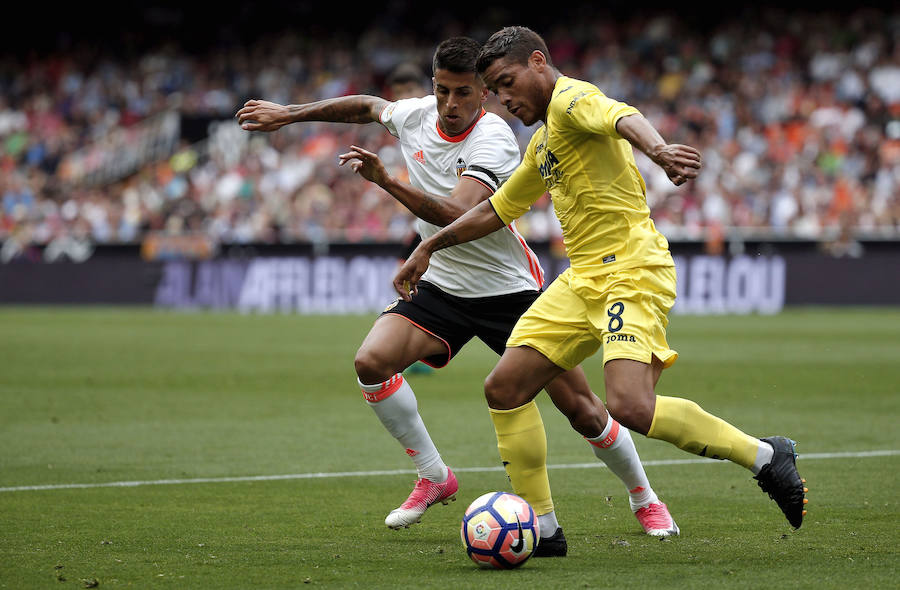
(500, 393)
(370, 368)
(632, 409)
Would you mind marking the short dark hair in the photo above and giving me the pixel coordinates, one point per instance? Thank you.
(456, 54)
(515, 43)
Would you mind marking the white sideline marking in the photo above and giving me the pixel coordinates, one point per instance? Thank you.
(321, 475)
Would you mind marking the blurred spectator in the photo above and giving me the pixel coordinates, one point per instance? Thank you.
(797, 117)
(407, 80)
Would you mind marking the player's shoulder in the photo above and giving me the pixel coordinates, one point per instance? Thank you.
(492, 126)
(566, 87)
(407, 107)
(491, 144)
(422, 102)
(568, 91)
(417, 102)
(490, 123)
(489, 118)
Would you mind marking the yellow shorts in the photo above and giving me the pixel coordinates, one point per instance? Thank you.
(625, 311)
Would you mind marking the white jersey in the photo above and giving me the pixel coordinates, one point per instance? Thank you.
(497, 264)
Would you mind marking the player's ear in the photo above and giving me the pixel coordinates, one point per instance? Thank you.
(537, 60)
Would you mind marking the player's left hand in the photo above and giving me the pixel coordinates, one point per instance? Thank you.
(681, 162)
(407, 278)
(365, 163)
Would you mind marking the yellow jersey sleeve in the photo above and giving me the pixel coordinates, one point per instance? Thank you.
(591, 111)
(516, 196)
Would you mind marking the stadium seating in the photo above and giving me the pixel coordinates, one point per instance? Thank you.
(798, 120)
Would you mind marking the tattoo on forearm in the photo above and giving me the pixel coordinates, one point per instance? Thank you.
(353, 109)
(449, 238)
(432, 210)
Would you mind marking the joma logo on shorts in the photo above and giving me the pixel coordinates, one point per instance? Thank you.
(620, 338)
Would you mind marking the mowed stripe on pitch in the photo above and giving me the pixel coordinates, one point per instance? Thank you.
(322, 475)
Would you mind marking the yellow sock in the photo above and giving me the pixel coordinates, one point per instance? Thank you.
(523, 449)
(687, 426)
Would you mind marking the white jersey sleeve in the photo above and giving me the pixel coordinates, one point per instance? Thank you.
(492, 155)
(402, 115)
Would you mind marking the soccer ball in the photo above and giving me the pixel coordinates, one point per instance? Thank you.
(500, 530)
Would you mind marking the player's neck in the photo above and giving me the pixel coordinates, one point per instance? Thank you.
(553, 75)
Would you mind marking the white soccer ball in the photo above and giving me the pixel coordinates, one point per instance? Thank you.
(500, 530)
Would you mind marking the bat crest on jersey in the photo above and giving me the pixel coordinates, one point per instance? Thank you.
(460, 167)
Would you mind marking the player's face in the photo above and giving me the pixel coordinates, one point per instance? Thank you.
(520, 87)
(460, 97)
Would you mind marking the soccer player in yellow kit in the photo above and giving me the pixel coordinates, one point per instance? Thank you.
(620, 285)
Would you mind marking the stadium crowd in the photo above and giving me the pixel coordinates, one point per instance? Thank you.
(797, 117)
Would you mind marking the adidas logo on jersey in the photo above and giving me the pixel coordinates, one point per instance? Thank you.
(419, 157)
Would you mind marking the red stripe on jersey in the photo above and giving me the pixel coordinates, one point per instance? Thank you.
(533, 265)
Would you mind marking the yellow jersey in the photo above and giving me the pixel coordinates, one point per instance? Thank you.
(597, 191)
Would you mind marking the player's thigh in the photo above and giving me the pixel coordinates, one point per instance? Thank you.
(394, 343)
(557, 325)
(446, 318)
(631, 315)
(518, 377)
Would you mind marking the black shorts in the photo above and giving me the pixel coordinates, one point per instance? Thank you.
(455, 320)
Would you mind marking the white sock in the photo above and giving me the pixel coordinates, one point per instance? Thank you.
(615, 447)
(548, 524)
(395, 405)
(763, 457)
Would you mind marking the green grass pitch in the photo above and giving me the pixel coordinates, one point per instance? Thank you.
(193, 406)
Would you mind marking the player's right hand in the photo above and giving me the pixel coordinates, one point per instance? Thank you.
(680, 162)
(366, 164)
(407, 278)
(262, 115)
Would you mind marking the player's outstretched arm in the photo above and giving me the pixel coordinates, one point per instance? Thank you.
(440, 211)
(476, 223)
(263, 115)
(681, 162)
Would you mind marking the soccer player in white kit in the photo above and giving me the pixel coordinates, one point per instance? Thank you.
(458, 155)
